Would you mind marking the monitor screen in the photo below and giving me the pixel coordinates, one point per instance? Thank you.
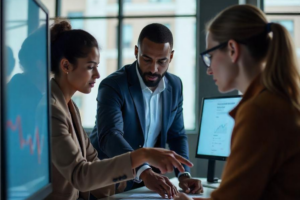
(26, 146)
(216, 127)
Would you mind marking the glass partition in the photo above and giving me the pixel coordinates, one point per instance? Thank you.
(26, 98)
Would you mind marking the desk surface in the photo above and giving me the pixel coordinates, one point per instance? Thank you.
(145, 193)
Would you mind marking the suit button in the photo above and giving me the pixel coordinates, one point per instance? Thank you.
(140, 146)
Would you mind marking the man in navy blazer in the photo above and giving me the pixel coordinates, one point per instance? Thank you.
(140, 105)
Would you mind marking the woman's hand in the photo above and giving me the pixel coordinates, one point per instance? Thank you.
(163, 159)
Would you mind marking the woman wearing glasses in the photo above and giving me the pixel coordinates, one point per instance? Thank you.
(248, 54)
(76, 169)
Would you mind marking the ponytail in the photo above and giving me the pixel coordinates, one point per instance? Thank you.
(281, 74)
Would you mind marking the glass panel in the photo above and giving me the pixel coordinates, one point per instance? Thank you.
(26, 98)
(292, 24)
(103, 30)
(184, 61)
(76, 23)
(127, 36)
(288, 24)
(282, 6)
(160, 7)
(90, 7)
(50, 5)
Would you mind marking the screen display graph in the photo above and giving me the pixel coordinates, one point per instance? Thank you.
(216, 126)
(34, 142)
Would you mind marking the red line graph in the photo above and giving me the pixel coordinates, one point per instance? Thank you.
(18, 126)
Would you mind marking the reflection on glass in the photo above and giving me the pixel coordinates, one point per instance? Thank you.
(10, 61)
(184, 61)
(27, 157)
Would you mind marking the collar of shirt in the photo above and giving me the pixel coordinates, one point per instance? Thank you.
(254, 89)
(160, 88)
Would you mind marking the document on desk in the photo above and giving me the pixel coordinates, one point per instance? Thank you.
(152, 196)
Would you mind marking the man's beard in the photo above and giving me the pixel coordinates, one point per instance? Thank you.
(151, 83)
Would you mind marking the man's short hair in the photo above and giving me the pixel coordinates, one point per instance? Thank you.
(157, 33)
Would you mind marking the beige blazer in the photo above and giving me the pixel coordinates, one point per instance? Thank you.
(76, 168)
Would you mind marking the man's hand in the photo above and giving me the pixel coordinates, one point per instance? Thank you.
(190, 185)
(158, 183)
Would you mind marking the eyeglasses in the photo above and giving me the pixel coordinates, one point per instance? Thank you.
(206, 57)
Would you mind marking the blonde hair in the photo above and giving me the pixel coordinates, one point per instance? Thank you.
(248, 25)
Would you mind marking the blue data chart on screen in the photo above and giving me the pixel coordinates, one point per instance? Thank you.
(216, 126)
(27, 122)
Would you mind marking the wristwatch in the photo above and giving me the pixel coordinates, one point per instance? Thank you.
(186, 174)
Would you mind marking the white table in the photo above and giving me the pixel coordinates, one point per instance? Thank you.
(209, 185)
(145, 193)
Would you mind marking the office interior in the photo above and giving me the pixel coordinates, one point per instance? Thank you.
(116, 25)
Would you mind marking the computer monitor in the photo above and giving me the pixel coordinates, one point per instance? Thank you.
(24, 90)
(1, 45)
(215, 130)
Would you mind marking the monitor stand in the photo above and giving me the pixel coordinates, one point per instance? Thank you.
(211, 172)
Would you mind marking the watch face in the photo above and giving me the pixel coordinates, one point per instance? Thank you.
(186, 174)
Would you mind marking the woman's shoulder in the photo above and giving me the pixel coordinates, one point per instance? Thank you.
(269, 102)
(269, 108)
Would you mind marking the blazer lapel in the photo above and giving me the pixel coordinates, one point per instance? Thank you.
(78, 128)
(166, 109)
(136, 94)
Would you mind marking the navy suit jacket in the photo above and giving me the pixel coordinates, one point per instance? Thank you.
(120, 120)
